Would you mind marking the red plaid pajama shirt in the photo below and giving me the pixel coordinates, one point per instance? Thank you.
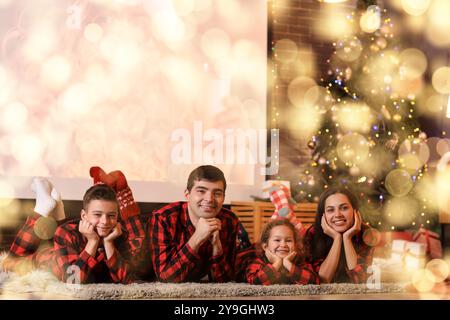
(364, 256)
(175, 261)
(68, 250)
(261, 271)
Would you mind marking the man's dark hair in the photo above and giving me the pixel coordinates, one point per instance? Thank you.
(208, 173)
(99, 192)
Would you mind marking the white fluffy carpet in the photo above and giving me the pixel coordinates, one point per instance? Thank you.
(44, 283)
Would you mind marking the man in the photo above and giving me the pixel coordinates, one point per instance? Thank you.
(87, 250)
(196, 240)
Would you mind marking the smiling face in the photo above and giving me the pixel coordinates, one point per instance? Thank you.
(281, 241)
(102, 214)
(339, 212)
(205, 199)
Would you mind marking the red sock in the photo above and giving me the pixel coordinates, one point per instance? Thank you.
(101, 176)
(128, 207)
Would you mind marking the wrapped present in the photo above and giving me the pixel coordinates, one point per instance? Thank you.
(398, 250)
(432, 242)
(387, 237)
(415, 255)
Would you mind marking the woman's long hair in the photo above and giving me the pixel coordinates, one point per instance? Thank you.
(322, 243)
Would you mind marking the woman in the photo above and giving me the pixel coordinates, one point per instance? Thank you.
(334, 243)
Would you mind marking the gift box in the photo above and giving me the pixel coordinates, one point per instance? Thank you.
(398, 250)
(415, 256)
(432, 243)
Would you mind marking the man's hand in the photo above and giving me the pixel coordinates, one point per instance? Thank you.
(216, 244)
(204, 229)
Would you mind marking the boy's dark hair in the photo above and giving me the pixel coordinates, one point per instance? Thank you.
(209, 173)
(99, 192)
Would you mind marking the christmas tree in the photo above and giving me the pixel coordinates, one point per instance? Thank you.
(369, 139)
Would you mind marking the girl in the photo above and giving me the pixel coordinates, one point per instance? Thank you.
(278, 260)
(334, 243)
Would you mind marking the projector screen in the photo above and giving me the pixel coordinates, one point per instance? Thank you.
(153, 88)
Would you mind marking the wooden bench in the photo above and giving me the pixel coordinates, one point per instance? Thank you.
(254, 215)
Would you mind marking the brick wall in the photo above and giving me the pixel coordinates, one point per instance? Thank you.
(294, 20)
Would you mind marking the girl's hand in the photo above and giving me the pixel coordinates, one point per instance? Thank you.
(287, 261)
(273, 259)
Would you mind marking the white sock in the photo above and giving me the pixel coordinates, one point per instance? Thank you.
(58, 213)
(44, 202)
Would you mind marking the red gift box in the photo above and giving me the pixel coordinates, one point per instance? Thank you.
(388, 237)
(432, 242)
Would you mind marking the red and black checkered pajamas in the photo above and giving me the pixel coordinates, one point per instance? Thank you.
(364, 256)
(260, 271)
(175, 261)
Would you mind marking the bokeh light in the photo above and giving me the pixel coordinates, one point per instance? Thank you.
(371, 19)
(285, 50)
(401, 211)
(45, 227)
(354, 117)
(441, 80)
(349, 49)
(439, 269)
(416, 7)
(413, 63)
(353, 148)
(371, 237)
(398, 182)
(297, 90)
(422, 280)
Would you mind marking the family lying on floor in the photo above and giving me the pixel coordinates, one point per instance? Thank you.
(194, 241)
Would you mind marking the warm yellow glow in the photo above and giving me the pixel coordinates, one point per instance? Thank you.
(438, 23)
(183, 7)
(443, 146)
(413, 63)
(416, 7)
(354, 117)
(349, 49)
(76, 99)
(303, 121)
(439, 269)
(45, 228)
(413, 155)
(27, 149)
(401, 211)
(55, 72)
(370, 20)
(422, 280)
(353, 148)
(332, 23)
(285, 50)
(297, 90)
(93, 32)
(40, 42)
(398, 182)
(441, 80)
(216, 44)
(14, 117)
